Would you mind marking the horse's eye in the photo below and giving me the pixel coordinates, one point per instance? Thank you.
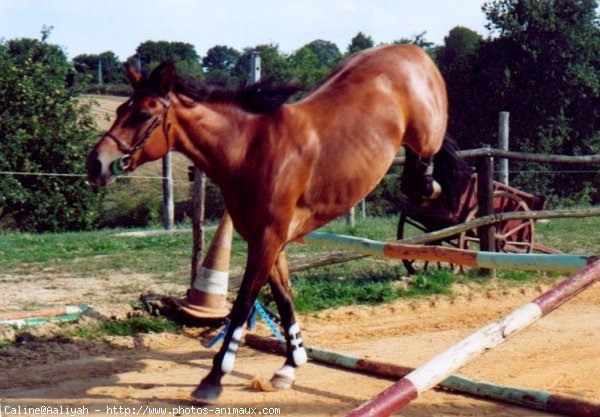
(140, 117)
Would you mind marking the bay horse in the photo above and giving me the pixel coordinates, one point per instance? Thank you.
(286, 169)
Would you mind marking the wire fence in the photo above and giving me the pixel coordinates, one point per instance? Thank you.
(54, 174)
(158, 177)
(518, 174)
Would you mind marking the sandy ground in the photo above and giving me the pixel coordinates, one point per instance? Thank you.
(560, 354)
(147, 373)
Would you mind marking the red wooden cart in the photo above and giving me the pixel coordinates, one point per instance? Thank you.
(516, 236)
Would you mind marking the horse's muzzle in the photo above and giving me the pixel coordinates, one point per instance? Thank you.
(95, 170)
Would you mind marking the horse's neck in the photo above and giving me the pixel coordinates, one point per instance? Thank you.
(215, 136)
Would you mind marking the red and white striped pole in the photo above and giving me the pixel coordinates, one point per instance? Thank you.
(445, 364)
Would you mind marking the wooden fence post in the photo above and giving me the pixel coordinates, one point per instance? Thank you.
(363, 208)
(485, 201)
(503, 133)
(198, 215)
(167, 183)
(99, 72)
(351, 217)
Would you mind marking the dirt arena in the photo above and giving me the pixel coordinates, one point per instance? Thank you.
(560, 354)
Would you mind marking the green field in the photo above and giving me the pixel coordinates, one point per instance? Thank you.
(166, 259)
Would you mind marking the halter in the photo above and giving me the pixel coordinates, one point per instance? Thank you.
(123, 163)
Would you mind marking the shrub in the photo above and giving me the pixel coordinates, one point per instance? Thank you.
(44, 128)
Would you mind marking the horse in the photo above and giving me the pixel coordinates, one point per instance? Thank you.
(286, 169)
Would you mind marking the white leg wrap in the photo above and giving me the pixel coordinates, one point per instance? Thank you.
(298, 352)
(300, 356)
(228, 362)
(229, 357)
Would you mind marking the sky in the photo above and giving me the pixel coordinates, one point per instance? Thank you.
(96, 26)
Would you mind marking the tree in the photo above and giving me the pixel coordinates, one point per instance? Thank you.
(360, 42)
(557, 70)
(274, 64)
(543, 66)
(151, 53)
(421, 42)
(305, 66)
(112, 70)
(456, 59)
(314, 61)
(24, 50)
(418, 40)
(44, 128)
(327, 53)
(459, 47)
(219, 63)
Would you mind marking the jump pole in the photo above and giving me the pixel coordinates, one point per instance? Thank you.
(47, 312)
(32, 318)
(517, 261)
(534, 399)
(440, 367)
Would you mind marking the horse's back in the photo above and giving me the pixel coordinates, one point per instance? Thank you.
(355, 121)
(373, 83)
(408, 68)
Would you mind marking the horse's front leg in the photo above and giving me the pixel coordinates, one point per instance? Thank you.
(261, 258)
(296, 354)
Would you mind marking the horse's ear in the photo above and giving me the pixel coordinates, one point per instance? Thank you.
(162, 79)
(133, 76)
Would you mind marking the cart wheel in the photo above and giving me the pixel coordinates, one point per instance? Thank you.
(469, 240)
(411, 264)
(516, 236)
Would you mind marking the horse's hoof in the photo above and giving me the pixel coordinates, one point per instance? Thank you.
(437, 190)
(282, 381)
(207, 392)
(435, 194)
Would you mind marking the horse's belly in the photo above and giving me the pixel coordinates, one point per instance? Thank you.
(334, 189)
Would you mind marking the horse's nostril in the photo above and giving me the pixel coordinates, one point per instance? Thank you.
(94, 166)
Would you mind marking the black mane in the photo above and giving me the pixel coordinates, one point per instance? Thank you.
(261, 97)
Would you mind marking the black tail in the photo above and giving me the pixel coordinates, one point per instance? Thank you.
(451, 172)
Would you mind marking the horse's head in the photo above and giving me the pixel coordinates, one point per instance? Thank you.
(141, 131)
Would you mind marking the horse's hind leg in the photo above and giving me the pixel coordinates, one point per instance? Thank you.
(296, 354)
(417, 179)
